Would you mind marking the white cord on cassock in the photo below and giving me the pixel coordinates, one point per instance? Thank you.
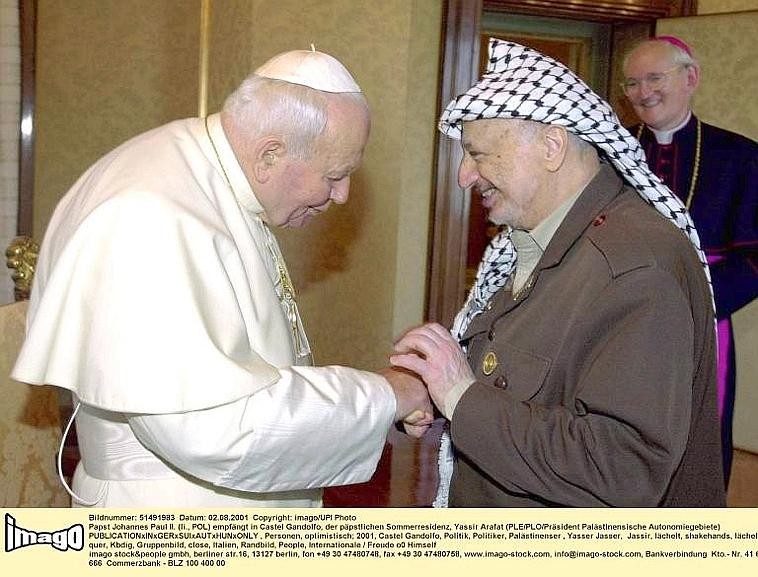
(74, 496)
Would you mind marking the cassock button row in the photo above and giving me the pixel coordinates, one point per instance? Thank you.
(600, 219)
(501, 382)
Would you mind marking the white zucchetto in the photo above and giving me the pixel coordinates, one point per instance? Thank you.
(309, 68)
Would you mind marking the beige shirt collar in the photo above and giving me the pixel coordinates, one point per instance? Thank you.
(531, 245)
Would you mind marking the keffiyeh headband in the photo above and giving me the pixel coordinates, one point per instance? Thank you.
(521, 83)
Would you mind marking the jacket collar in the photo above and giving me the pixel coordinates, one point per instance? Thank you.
(601, 190)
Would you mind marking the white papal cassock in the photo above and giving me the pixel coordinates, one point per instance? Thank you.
(157, 302)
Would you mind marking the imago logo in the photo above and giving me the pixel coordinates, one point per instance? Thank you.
(63, 540)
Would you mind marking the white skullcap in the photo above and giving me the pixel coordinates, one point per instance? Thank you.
(309, 68)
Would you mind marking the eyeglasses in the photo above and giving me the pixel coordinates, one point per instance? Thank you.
(654, 81)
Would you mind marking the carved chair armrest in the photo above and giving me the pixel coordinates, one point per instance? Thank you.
(21, 258)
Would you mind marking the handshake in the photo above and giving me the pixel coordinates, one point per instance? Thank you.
(428, 366)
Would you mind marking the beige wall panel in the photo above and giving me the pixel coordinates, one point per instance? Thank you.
(417, 164)
(106, 71)
(231, 54)
(725, 46)
(720, 6)
(746, 404)
(360, 269)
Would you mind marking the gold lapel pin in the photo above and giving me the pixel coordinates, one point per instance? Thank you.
(489, 364)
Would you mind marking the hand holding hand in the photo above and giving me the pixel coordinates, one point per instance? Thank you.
(414, 407)
(431, 352)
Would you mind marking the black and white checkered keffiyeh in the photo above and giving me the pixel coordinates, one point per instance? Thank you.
(521, 83)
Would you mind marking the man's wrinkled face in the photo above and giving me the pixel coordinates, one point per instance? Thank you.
(659, 90)
(501, 162)
(308, 187)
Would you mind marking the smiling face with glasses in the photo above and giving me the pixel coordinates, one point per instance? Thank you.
(659, 88)
(654, 81)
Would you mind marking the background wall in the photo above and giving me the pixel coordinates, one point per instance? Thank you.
(109, 69)
(106, 71)
(723, 6)
(724, 45)
(10, 98)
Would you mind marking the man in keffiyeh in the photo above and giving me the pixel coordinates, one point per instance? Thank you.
(582, 369)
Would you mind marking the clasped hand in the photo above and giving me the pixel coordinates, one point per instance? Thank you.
(413, 405)
(431, 352)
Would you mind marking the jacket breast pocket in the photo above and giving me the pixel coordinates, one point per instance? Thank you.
(519, 372)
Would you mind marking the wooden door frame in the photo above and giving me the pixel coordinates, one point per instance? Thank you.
(447, 268)
(27, 30)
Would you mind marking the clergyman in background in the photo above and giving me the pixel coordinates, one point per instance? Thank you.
(714, 172)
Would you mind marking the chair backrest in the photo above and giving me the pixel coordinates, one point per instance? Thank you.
(30, 429)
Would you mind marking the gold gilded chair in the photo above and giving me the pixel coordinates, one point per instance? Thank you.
(30, 429)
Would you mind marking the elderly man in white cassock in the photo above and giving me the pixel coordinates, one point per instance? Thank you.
(162, 302)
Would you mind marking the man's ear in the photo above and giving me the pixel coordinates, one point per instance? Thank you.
(555, 139)
(267, 152)
(693, 77)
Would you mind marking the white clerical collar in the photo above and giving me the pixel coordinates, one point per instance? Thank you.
(667, 136)
(231, 167)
